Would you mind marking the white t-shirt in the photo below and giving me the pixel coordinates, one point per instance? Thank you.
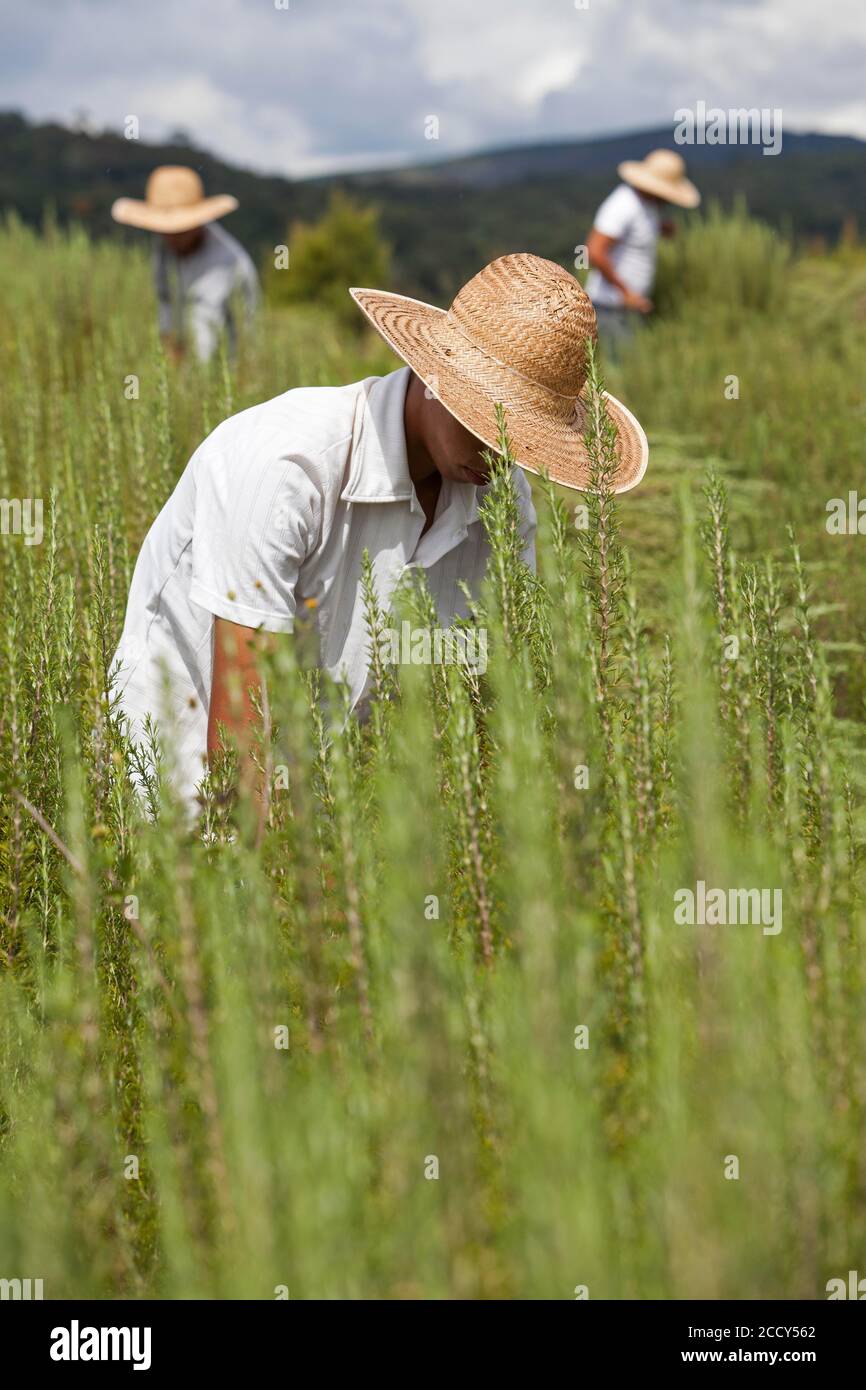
(277, 506)
(636, 224)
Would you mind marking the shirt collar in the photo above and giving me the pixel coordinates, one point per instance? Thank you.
(379, 469)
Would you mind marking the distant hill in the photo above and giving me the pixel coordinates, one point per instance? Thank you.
(443, 219)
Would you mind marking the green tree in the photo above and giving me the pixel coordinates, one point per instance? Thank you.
(343, 248)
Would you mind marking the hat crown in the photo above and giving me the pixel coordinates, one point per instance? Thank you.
(666, 164)
(531, 316)
(174, 186)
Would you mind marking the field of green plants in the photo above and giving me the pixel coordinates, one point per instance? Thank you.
(426, 1025)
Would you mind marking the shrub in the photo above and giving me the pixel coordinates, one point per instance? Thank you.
(343, 248)
(722, 261)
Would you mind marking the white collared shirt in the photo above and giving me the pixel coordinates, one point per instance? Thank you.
(195, 291)
(275, 507)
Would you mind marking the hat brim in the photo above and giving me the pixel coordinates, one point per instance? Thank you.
(470, 384)
(135, 212)
(682, 192)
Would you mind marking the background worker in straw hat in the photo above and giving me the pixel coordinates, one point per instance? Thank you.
(198, 267)
(623, 243)
(275, 510)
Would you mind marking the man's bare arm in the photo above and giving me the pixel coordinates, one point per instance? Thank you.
(599, 248)
(236, 679)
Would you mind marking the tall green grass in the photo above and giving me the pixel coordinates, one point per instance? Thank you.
(754, 361)
(430, 1029)
(727, 262)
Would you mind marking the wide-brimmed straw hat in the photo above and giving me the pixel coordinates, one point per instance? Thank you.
(174, 201)
(516, 334)
(662, 173)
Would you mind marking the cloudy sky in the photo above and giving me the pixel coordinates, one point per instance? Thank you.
(309, 86)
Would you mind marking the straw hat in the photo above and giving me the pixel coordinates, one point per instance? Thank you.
(174, 201)
(515, 334)
(662, 173)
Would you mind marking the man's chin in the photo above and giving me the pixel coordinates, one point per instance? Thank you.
(471, 475)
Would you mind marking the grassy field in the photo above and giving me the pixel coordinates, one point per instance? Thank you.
(432, 1029)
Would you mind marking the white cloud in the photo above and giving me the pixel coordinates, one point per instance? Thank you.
(338, 84)
(549, 73)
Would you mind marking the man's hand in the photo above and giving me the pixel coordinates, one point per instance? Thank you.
(638, 302)
(173, 347)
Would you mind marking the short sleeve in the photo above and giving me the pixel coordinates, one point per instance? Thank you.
(615, 214)
(257, 518)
